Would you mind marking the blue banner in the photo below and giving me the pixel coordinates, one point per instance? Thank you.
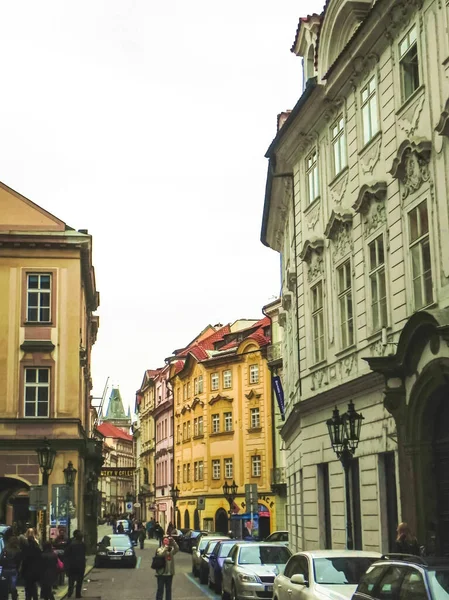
(277, 385)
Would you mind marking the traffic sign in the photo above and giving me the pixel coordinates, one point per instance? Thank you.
(129, 506)
(251, 497)
(136, 504)
(201, 502)
(38, 497)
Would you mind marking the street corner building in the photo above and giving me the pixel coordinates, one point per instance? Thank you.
(357, 205)
(47, 330)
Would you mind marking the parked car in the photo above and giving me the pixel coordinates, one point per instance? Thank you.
(278, 536)
(190, 538)
(405, 577)
(322, 574)
(250, 569)
(115, 550)
(204, 561)
(178, 535)
(216, 560)
(198, 550)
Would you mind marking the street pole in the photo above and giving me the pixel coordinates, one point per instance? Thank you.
(346, 464)
(44, 512)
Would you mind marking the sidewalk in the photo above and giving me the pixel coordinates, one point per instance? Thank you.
(61, 591)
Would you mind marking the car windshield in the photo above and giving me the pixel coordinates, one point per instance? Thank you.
(210, 546)
(120, 541)
(225, 549)
(439, 582)
(203, 543)
(341, 570)
(263, 555)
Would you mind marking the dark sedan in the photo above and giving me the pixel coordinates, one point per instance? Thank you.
(115, 550)
(216, 560)
(190, 539)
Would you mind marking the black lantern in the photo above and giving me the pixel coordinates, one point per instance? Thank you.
(336, 428)
(46, 459)
(174, 493)
(70, 474)
(352, 423)
(230, 492)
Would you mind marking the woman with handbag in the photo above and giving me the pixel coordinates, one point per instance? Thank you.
(166, 568)
(49, 573)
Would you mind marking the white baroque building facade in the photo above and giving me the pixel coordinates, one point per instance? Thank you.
(357, 205)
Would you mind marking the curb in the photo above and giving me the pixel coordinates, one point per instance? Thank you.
(62, 592)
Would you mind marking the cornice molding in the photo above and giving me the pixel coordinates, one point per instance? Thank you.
(219, 397)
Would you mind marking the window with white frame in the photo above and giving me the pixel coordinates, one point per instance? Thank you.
(216, 469)
(253, 374)
(188, 430)
(228, 421)
(316, 294)
(215, 423)
(214, 381)
(178, 396)
(370, 115)
(256, 465)
(409, 63)
(188, 390)
(200, 384)
(184, 392)
(195, 427)
(345, 304)
(255, 417)
(38, 297)
(178, 474)
(200, 426)
(313, 190)
(338, 142)
(228, 468)
(184, 473)
(418, 219)
(184, 431)
(188, 472)
(200, 470)
(378, 288)
(178, 433)
(195, 386)
(227, 379)
(37, 392)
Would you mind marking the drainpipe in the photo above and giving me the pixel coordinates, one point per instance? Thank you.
(273, 434)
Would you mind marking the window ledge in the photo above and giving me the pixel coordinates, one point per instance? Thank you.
(376, 137)
(38, 323)
(339, 176)
(375, 335)
(318, 365)
(200, 436)
(221, 433)
(346, 351)
(311, 206)
(419, 90)
(37, 346)
(254, 429)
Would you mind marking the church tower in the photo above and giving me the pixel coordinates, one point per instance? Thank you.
(116, 412)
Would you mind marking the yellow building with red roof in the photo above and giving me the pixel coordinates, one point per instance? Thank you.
(223, 427)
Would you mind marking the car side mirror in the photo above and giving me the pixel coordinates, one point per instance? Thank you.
(299, 579)
(228, 561)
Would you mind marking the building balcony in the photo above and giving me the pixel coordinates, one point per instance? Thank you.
(278, 481)
(274, 354)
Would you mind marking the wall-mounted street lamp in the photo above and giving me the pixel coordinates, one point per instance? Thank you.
(69, 480)
(230, 493)
(46, 458)
(344, 433)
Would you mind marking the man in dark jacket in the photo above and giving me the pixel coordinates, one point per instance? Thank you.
(75, 563)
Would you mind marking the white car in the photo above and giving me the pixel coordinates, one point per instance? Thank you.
(322, 574)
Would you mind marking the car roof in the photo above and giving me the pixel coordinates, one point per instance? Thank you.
(264, 544)
(339, 553)
(420, 561)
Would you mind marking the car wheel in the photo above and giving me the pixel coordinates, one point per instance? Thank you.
(234, 592)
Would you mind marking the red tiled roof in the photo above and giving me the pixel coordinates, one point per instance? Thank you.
(111, 431)
(259, 337)
(178, 366)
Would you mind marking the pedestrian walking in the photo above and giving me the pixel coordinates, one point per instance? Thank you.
(49, 571)
(159, 533)
(165, 574)
(170, 528)
(141, 535)
(406, 542)
(75, 563)
(31, 565)
(150, 528)
(10, 562)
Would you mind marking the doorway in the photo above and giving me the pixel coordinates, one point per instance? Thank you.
(221, 521)
(186, 519)
(441, 458)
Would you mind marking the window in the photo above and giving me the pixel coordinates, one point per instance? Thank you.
(188, 390)
(200, 384)
(254, 374)
(339, 145)
(195, 386)
(255, 418)
(200, 470)
(188, 472)
(178, 434)
(38, 297)
(370, 119)
(214, 381)
(200, 425)
(188, 430)
(256, 467)
(317, 322)
(37, 392)
(312, 177)
(420, 256)
(195, 427)
(227, 379)
(215, 423)
(178, 474)
(377, 283)
(345, 304)
(228, 421)
(409, 64)
(215, 469)
(228, 469)
(184, 473)
(178, 396)
(184, 431)
(184, 392)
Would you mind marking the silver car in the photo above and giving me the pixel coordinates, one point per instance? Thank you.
(250, 569)
(197, 551)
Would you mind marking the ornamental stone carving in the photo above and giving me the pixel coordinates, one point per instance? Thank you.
(370, 204)
(339, 230)
(312, 254)
(411, 165)
(339, 189)
(319, 378)
(313, 216)
(400, 15)
(410, 119)
(371, 156)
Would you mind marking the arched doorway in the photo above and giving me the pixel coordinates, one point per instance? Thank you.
(441, 461)
(186, 519)
(196, 519)
(264, 522)
(14, 502)
(221, 521)
(178, 519)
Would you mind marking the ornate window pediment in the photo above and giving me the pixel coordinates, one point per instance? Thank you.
(312, 254)
(338, 230)
(195, 403)
(411, 165)
(370, 204)
(287, 298)
(185, 408)
(219, 397)
(253, 395)
(443, 124)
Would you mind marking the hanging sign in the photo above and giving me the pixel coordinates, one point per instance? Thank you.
(277, 385)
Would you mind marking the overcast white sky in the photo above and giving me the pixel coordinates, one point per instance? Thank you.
(147, 122)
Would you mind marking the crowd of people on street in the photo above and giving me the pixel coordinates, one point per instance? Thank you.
(42, 564)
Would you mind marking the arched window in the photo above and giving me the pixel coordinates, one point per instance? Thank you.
(186, 519)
